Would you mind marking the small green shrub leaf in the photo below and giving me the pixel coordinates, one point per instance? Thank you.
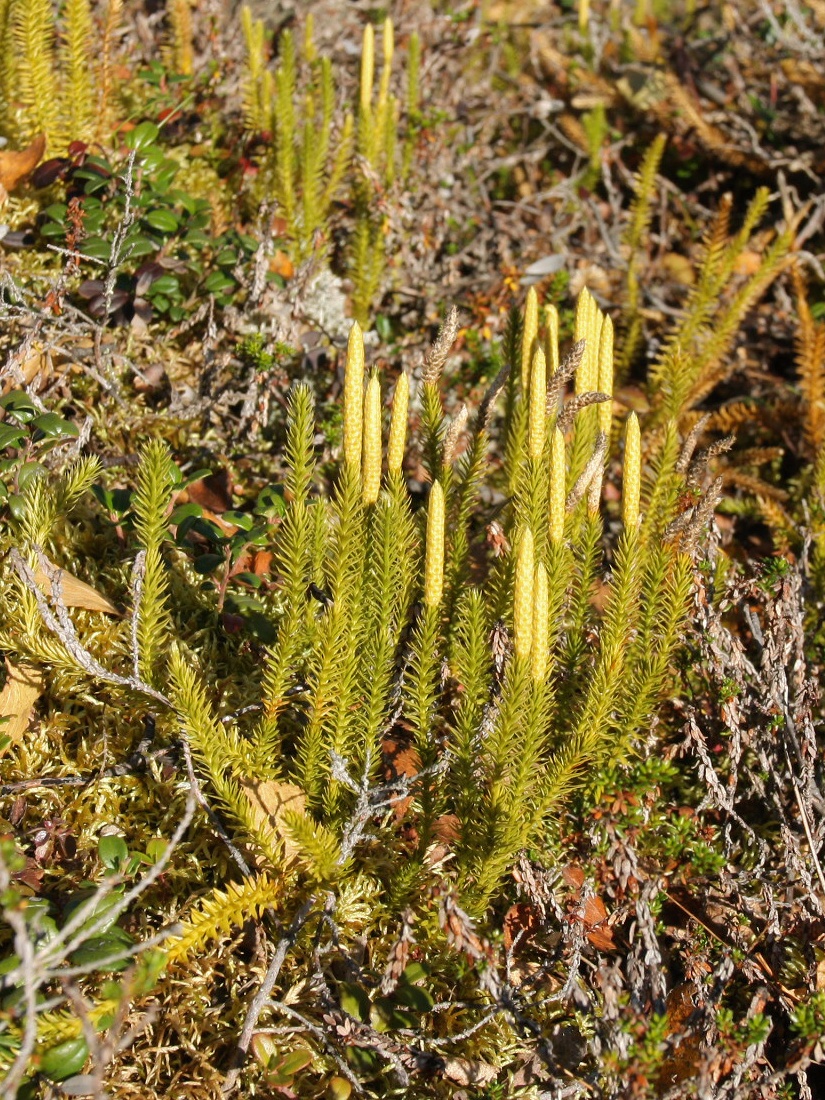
(64, 1060)
(166, 284)
(164, 220)
(19, 405)
(206, 563)
(142, 135)
(354, 1001)
(111, 951)
(54, 426)
(11, 436)
(112, 851)
(217, 282)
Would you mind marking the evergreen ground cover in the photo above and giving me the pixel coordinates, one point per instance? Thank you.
(412, 549)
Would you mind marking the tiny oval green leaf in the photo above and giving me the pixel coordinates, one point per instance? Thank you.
(112, 851)
(54, 426)
(163, 220)
(354, 1001)
(142, 135)
(64, 1060)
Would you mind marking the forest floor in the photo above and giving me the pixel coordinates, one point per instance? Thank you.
(667, 938)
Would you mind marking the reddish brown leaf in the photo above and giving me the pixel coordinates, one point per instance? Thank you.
(686, 1059)
(446, 828)
(602, 939)
(213, 492)
(573, 875)
(400, 759)
(520, 918)
(594, 912)
(261, 563)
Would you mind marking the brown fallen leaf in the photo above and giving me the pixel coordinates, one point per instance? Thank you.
(213, 492)
(253, 561)
(76, 593)
(532, 1072)
(601, 939)
(465, 1072)
(521, 921)
(685, 1058)
(34, 361)
(16, 164)
(594, 914)
(400, 760)
(573, 875)
(598, 932)
(262, 562)
(269, 800)
(17, 699)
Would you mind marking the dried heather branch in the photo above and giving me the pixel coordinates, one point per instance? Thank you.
(261, 998)
(59, 623)
(693, 522)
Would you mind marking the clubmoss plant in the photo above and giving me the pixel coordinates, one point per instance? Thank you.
(502, 694)
(54, 78)
(315, 156)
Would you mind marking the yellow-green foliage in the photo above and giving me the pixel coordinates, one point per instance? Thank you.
(57, 68)
(305, 168)
(312, 158)
(35, 78)
(641, 212)
(79, 85)
(180, 47)
(363, 549)
(810, 366)
(257, 83)
(693, 360)
(55, 72)
(152, 500)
